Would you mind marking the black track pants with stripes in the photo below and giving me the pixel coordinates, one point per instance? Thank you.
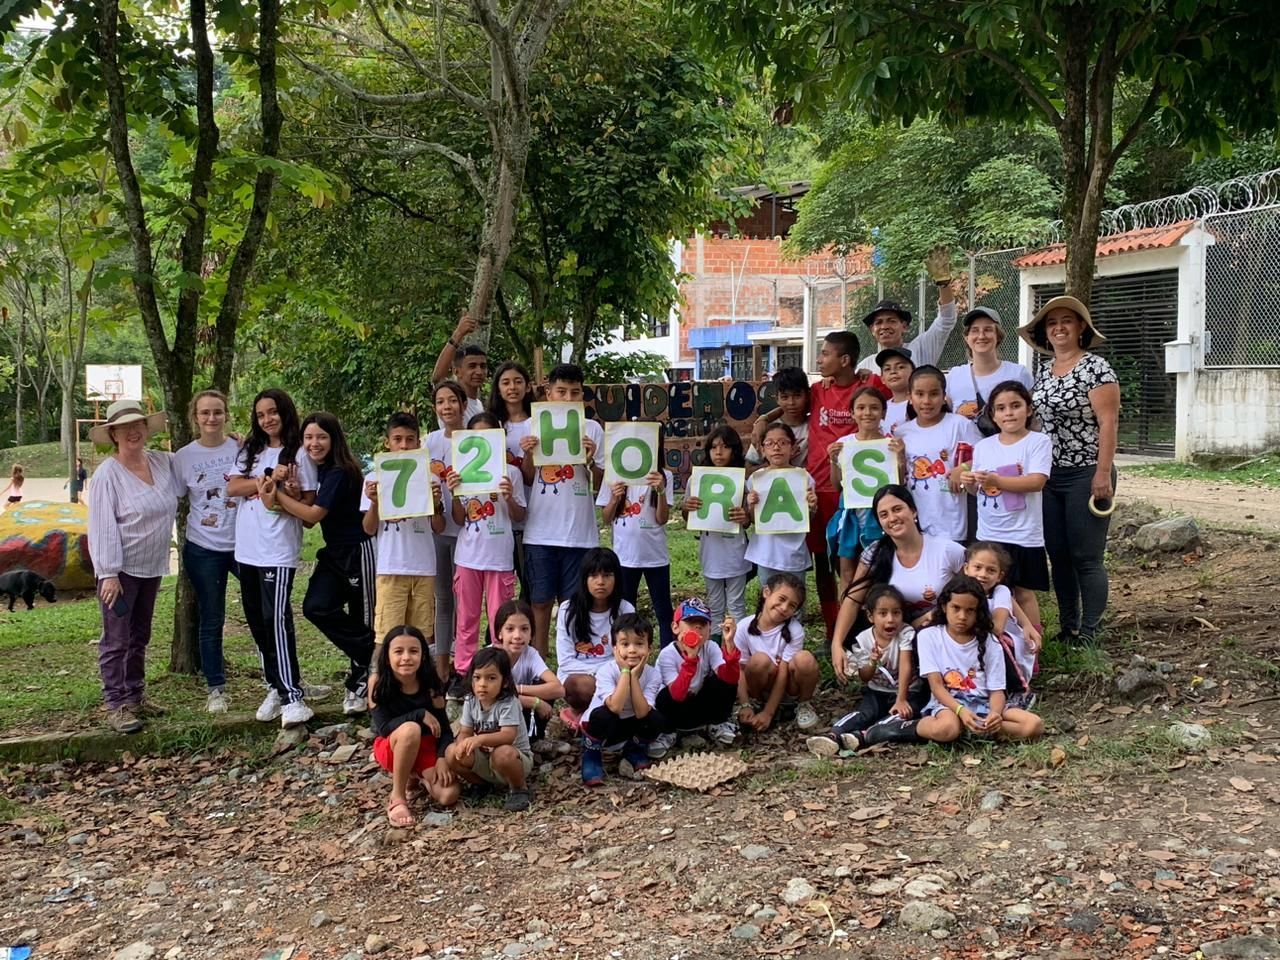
(269, 613)
(339, 602)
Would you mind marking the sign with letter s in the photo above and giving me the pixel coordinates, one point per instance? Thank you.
(865, 467)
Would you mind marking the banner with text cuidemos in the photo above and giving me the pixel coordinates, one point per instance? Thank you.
(865, 467)
(630, 452)
(404, 484)
(719, 490)
(688, 410)
(559, 428)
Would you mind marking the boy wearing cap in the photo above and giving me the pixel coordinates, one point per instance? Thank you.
(896, 366)
(699, 679)
(889, 321)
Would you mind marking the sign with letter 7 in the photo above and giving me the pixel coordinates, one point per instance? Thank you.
(404, 484)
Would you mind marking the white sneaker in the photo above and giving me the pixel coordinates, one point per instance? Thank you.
(270, 708)
(661, 745)
(315, 691)
(723, 733)
(217, 702)
(295, 714)
(353, 703)
(806, 718)
(822, 746)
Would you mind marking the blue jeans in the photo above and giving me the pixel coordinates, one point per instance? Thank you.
(553, 571)
(207, 569)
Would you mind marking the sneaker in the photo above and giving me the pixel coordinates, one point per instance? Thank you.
(571, 718)
(453, 710)
(295, 714)
(806, 718)
(518, 800)
(353, 703)
(270, 708)
(636, 753)
(124, 720)
(149, 709)
(661, 745)
(822, 746)
(592, 763)
(315, 691)
(850, 741)
(723, 733)
(217, 702)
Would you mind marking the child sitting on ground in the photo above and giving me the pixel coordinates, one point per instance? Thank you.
(492, 745)
(621, 711)
(536, 685)
(774, 661)
(988, 563)
(410, 728)
(699, 679)
(883, 660)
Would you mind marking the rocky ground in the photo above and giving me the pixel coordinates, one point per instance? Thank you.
(1146, 824)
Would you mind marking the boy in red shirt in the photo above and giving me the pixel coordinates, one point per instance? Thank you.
(831, 418)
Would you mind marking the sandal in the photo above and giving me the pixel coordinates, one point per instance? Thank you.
(402, 820)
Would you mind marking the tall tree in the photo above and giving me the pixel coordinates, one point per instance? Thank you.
(1200, 67)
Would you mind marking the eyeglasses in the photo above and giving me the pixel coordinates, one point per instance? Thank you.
(776, 444)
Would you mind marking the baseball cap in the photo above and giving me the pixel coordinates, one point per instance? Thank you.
(888, 352)
(693, 609)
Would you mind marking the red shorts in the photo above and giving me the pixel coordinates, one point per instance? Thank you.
(828, 504)
(425, 760)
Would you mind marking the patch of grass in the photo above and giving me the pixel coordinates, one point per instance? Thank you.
(1078, 661)
(1262, 470)
(42, 459)
(10, 810)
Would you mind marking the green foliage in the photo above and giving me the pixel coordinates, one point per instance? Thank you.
(610, 367)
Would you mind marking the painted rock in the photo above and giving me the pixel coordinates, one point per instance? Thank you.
(50, 538)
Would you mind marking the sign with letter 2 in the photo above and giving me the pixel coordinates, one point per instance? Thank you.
(480, 458)
(630, 452)
(719, 489)
(865, 467)
(559, 428)
(404, 484)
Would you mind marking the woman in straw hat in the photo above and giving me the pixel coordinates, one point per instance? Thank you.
(131, 510)
(1077, 397)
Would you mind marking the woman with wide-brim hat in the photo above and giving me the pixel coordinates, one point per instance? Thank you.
(131, 510)
(1077, 398)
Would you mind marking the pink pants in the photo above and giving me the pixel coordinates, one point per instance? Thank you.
(471, 588)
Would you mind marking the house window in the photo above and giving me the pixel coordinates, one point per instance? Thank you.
(789, 357)
(657, 326)
(740, 366)
(711, 364)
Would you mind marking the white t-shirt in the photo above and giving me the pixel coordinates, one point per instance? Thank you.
(562, 509)
(960, 385)
(486, 540)
(931, 454)
(607, 678)
(1012, 517)
(270, 538)
(529, 669)
(517, 431)
(928, 346)
(957, 664)
(771, 642)
(723, 555)
(441, 449)
(406, 548)
(885, 679)
(474, 406)
(710, 658)
(639, 540)
(777, 551)
(572, 657)
(799, 452)
(895, 415)
(940, 560)
(202, 474)
(1002, 599)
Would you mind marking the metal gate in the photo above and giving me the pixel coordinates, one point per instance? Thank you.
(1138, 314)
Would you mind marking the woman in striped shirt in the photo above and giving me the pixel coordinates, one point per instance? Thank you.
(131, 511)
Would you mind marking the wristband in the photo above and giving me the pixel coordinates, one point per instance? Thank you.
(537, 702)
(959, 709)
(453, 343)
(625, 670)
(943, 282)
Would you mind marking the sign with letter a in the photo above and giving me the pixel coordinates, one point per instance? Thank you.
(784, 500)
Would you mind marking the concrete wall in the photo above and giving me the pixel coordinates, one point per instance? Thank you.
(1235, 410)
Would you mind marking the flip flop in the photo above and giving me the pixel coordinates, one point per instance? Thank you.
(400, 822)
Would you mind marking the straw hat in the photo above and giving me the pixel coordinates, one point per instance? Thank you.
(1033, 333)
(127, 411)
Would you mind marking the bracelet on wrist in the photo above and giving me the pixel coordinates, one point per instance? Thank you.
(942, 281)
(959, 709)
(625, 670)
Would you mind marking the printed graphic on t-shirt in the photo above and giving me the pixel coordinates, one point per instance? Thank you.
(968, 409)
(926, 469)
(554, 477)
(416, 525)
(960, 680)
(483, 511)
(591, 649)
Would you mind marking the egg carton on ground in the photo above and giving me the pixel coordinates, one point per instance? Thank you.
(697, 771)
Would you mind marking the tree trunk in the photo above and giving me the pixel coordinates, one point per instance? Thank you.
(502, 203)
(20, 364)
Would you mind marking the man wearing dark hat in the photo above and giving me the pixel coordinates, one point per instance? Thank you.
(889, 321)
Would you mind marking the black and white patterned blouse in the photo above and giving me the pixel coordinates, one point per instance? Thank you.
(1062, 404)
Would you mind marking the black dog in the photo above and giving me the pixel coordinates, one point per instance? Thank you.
(26, 584)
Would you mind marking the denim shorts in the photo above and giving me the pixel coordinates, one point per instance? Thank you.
(552, 571)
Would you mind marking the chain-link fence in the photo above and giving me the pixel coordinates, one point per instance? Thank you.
(1242, 289)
